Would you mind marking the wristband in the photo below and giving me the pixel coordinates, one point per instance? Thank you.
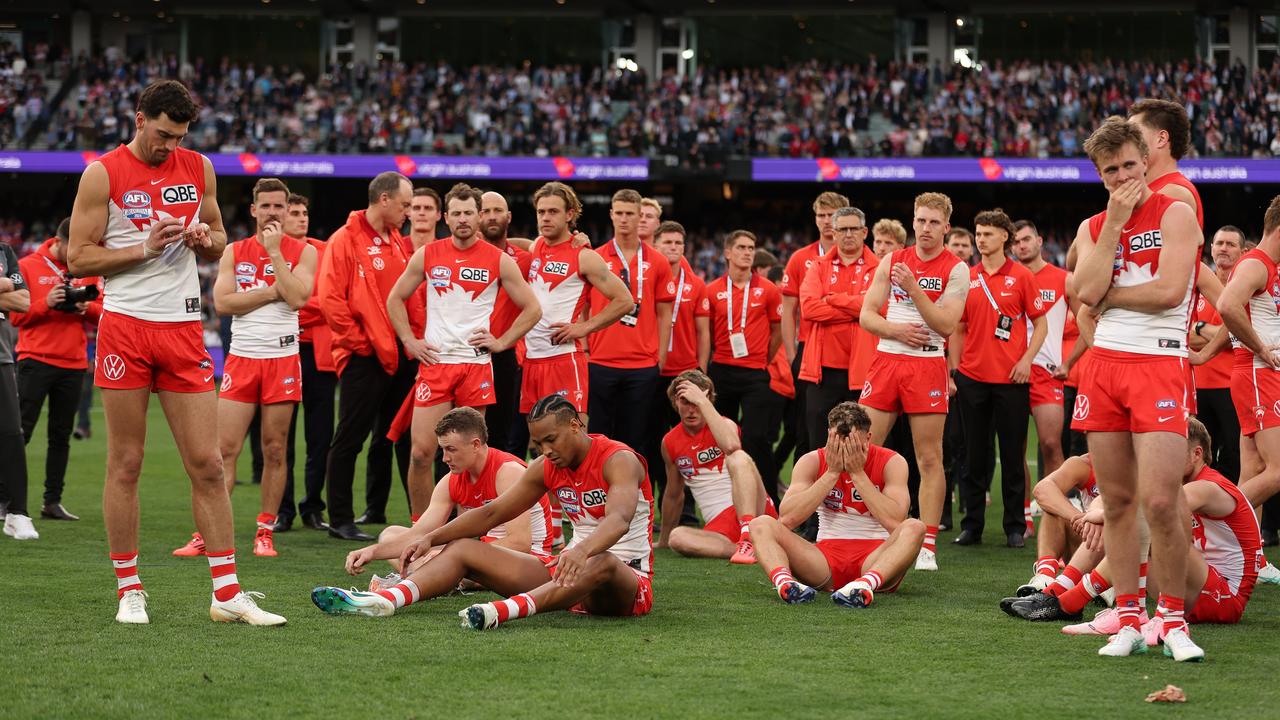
(148, 254)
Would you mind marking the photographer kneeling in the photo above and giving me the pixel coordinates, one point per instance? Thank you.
(51, 355)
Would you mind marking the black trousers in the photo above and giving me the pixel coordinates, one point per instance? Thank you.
(954, 459)
(367, 403)
(13, 470)
(318, 391)
(1073, 441)
(1002, 410)
(798, 419)
(1219, 417)
(83, 421)
(780, 408)
(900, 441)
(37, 381)
(743, 395)
(255, 448)
(821, 397)
(505, 411)
(619, 402)
(377, 469)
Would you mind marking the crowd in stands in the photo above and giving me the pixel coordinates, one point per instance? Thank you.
(1026, 109)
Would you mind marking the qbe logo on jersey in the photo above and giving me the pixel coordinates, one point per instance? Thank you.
(179, 194)
(137, 205)
(557, 267)
(931, 284)
(476, 275)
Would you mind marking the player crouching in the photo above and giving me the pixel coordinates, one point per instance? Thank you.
(511, 557)
(866, 542)
(705, 453)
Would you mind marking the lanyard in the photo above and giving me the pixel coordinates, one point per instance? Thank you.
(57, 270)
(982, 281)
(639, 267)
(675, 311)
(728, 303)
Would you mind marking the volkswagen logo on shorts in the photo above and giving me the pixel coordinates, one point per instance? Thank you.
(1082, 408)
(423, 392)
(113, 367)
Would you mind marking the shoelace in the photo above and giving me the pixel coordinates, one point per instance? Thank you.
(135, 600)
(250, 598)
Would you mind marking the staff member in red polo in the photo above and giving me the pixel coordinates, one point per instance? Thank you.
(831, 296)
(51, 356)
(746, 332)
(622, 367)
(363, 261)
(993, 383)
(1213, 378)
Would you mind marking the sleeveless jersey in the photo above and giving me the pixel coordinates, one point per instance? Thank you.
(1177, 178)
(469, 494)
(583, 494)
(1232, 544)
(269, 331)
(462, 289)
(1137, 261)
(1089, 488)
(561, 291)
(700, 462)
(1053, 293)
(932, 276)
(165, 288)
(1263, 307)
(842, 514)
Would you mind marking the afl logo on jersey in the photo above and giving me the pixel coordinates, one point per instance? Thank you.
(684, 464)
(246, 273)
(441, 276)
(479, 275)
(568, 500)
(137, 205)
(834, 499)
(179, 194)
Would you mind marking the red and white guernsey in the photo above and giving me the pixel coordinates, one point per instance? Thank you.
(561, 291)
(1089, 488)
(842, 514)
(1177, 178)
(462, 289)
(468, 494)
(932, 276)
(1137, 261)
(700, 462)
(165, 288)
(583, 494)
(269, 331)
(1053, 293)
(1232, 544)
(1264, 306)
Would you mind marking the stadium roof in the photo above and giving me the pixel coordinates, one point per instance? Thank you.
(142, 8)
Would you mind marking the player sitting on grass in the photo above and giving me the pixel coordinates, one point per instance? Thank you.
(705, 453)
(478, 475)
(603, 487)
(866, 542)
(1063, 524)
(1223, 560)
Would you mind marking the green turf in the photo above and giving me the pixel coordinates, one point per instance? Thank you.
(718, 644)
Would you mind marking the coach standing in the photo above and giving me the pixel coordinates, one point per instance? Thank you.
(993, 385)
(14, 297)
(52, 358)
(364, 259)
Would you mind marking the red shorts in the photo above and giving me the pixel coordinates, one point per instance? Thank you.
(726, 523)
(641, 605)
(1045, 388)
(463, 384)
(564, 375)
(262, 380)
(162, 356)
(1217, 604)
(845, 559)
(1256, 396)
(1128, 392)
(906, 383)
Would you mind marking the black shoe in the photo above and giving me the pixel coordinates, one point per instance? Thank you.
(1042, 608)
(56, 512)
(315, 521)
(349, 531)
(1006, 604)
(369, 518)
(1016, 540)
(1025, 590)
(1270, 538)
(284, 523)
(968, 537)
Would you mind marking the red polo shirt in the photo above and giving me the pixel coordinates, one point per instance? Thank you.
(632, 346)
(764, 307)
(1216, 373)
(689, 305)
(793, 275)
(1014, 291)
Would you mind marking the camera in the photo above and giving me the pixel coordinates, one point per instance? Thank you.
(75, 295)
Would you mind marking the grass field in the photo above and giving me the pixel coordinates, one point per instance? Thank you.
(718, 644)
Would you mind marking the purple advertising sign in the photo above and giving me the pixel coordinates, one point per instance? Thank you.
(982, 170)
(366, 166)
